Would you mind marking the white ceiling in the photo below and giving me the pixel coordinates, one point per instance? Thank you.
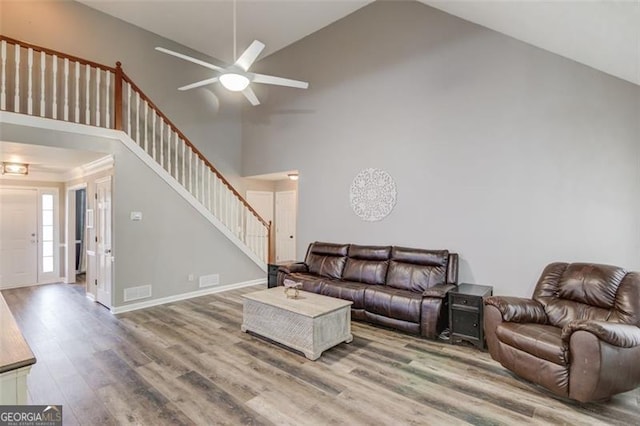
(45, 158)
(603, 34)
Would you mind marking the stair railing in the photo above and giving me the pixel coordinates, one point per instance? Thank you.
(42, 82)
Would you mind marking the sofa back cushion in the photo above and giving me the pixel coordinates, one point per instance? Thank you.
(417, 270)
(573, 291)
(327, 259)
(367, 264)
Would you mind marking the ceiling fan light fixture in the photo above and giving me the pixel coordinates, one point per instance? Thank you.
(234, 82)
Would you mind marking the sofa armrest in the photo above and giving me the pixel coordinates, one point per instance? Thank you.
(291, 268)
(518, 309)
(616, 334)
(440, 291)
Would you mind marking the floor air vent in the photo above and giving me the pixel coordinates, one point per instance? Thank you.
(135, 293)
(209, 280)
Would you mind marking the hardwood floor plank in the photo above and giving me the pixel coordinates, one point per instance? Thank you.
(188, 363)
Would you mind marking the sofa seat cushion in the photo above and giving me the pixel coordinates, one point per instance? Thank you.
(310, 282)
(393, 303)
(346, 290)
(541, 341)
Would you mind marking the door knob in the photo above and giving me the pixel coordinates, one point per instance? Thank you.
(33, 235)
(290, 236)
(107, 251)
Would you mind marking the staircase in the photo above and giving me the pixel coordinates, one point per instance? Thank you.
(44, 83)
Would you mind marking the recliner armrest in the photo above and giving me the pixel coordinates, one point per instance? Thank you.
(440, 291)
(616, 334)
(291, 268)
(518, 309)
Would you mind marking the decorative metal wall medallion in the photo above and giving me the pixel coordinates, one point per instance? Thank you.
(373, 194)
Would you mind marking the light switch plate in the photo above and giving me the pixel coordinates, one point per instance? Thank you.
(137, 216)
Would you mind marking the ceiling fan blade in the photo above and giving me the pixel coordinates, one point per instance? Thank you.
(190, 59)
(251, 96)
(249, 56)
(270, 79)
(198, 84)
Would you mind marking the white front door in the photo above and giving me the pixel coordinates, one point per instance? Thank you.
(103, 243)
(285, 226)
(18, 237)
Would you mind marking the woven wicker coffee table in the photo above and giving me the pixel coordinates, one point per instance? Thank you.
(311, 324)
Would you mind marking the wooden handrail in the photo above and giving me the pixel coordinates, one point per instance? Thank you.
(56, 53)
(174, 128)
(118, 110)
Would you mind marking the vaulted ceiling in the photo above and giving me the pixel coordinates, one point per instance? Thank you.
(603, 34)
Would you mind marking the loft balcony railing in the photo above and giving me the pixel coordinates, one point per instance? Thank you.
(45, 83)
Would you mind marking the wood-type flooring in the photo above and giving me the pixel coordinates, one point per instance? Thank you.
(188, 363)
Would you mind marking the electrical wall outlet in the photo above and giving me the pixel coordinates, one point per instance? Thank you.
(191, 277)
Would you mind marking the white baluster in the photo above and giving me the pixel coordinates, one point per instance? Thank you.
(184, 163)
(16, 97)
(129, 110)
(197, 161)
(202, 165)
(227, 206)
(66, 89)
(175, 159)
(146, 127)
(77, 93)
(138, 118)
(98, 97)
(153, 135)
(30, 81)
(3, 89)
(54, 87)
(107, 95)
(190, 171)
(169, 134)
(43, 67)
(161, 141)
(209, 189)
(87, 100)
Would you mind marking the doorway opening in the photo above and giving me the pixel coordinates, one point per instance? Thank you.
(275, 197)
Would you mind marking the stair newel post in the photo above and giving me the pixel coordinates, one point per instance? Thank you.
(117, 98)
(270, 246)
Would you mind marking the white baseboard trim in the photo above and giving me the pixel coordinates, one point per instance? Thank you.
(184, 296)
(90, 296)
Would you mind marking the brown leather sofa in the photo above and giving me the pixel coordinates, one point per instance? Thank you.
(579, 335)
(397, 287)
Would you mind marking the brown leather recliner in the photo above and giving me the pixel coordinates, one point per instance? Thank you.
(579, 335)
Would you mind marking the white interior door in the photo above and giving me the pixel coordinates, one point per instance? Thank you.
(18, 237)
(262, 202)
(286, 210)
(103, 244)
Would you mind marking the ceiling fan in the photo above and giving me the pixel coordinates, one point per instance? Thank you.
(237, 77)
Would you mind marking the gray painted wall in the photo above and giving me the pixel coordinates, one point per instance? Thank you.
(510, 155)
(172, 241)
(209, 118)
